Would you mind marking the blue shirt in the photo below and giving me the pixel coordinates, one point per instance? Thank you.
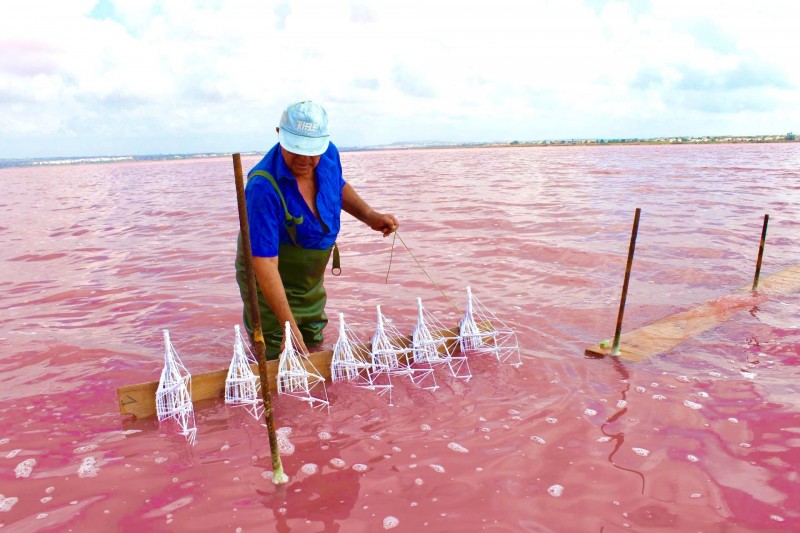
(265, 213)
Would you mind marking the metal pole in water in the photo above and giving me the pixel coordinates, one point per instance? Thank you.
(634, 231)
(760, 252)
(277, 467)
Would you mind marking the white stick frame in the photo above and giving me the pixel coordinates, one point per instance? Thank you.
(242, 385)
(174, 393)
(481, 332)
(294, 377)
(432, 346)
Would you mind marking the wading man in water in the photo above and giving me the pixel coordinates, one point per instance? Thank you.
(295, 196)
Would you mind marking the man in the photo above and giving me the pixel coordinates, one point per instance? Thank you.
(295, 196)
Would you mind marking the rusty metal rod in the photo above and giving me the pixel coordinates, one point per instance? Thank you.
(618, 332)
(278, 475)
(760, 252)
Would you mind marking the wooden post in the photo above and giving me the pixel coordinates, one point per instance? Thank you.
(631, 248)
(278, 475)
(760, 252)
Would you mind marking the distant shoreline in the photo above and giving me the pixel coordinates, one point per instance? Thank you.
(721, 139)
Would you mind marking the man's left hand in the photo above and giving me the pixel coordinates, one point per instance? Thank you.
(386, 224)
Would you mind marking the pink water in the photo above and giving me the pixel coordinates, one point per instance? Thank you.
(98, 259)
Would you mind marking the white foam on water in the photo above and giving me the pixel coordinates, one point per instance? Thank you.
(715, 374)
(551, 420)
(25, 468)
(603, 439)
(640, 389)
(4, 441)
(13, 453)
(537, 439)
(419, 482)
(692, 458)
(641, 451)
(703, 394)
(589, 412)
(555, 491)
(7, 503)
(621, 404)
(481, 419)
(49, 490)
(683, 379)
(513, 412)
(41, 516)
(337, 462)
(359, 467)
(777, 518)
(309, 469)
(270, 475)
(88, 468)
(285, 446)
(424, 427)
(83, 449)
(485, 430)
(748, 375)
(654, 384)
(692, 405)
(375, 437)
(46, 499)
(225, 447)
(456, 447)
(160, 460)
(390, 522)
(324, 435)
(395, 449)
(733, 420)
(438, 468)
(745, 444)
(695, 495)
(659, 397)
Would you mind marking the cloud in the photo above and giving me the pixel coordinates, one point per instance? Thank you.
(215, 75)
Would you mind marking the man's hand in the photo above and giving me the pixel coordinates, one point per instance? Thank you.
(386, 224)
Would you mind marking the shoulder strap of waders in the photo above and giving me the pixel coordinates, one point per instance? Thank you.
(289, 221)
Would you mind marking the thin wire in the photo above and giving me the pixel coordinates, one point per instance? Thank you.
(391, 254)
(421, 268)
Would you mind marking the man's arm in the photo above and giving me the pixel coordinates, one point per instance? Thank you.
(353, 204)
(269, 280)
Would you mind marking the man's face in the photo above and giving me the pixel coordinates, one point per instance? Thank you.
(300, 165)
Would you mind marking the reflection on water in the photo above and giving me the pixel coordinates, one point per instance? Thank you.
(98, 259)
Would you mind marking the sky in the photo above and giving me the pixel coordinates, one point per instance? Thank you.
(135, 77)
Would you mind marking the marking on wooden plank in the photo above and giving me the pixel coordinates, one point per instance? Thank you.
(671, 331)
(140, 400)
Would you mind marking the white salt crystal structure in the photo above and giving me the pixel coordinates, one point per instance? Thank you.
(353, 362)
(480, 331)
(431, 345)
(297, 376)
(174, 393)
(391, 356)
(242, 386)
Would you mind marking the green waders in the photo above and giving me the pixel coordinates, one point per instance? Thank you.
(302, 272)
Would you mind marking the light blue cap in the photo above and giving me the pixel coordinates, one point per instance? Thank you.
(304, 129)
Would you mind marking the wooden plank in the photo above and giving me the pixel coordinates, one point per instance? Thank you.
(671, 331)
(140, 400)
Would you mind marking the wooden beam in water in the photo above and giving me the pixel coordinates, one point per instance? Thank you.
(671, 331)
(140, 400)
